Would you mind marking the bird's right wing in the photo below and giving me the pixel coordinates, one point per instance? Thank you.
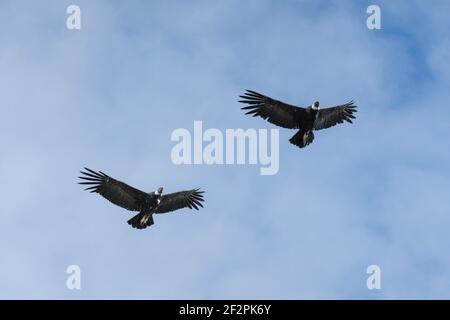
(178, 200)
(329, 117)
(274, 111)
(113, 190)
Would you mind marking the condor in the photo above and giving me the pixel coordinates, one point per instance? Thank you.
(293, 117)
(133, 199)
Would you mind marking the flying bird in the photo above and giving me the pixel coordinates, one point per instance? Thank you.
(293, 117)
(133, 199)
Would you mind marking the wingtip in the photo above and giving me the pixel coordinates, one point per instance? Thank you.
(199, 190)
(253, 93)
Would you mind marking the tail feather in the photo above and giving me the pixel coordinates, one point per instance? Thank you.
(141, 221)
(301, 139)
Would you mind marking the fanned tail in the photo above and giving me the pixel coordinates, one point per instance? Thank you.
(141, 221)
(301, 139)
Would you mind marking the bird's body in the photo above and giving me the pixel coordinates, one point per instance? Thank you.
(306, 120)
(133, 199)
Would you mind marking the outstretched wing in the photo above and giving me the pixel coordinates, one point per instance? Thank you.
(329, 117)
(113, 190)
(183, 199)
(274, 111)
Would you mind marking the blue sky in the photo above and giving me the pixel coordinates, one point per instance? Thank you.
(109, 96)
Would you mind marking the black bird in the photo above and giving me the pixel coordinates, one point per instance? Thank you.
(292, 117)
(133, 199)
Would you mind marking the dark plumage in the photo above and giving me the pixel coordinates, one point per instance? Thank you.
(293, 117)
(133, 199)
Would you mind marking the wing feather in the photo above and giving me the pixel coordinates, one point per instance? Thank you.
(329, 117)
(191, 199)
(113, 190)
(274, 111)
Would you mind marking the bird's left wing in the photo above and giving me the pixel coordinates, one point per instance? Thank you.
(329, 117)
(113, 190)
(274, 111)
(177, 200)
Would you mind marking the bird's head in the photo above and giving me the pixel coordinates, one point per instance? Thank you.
(159, 191)
(315, 105)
